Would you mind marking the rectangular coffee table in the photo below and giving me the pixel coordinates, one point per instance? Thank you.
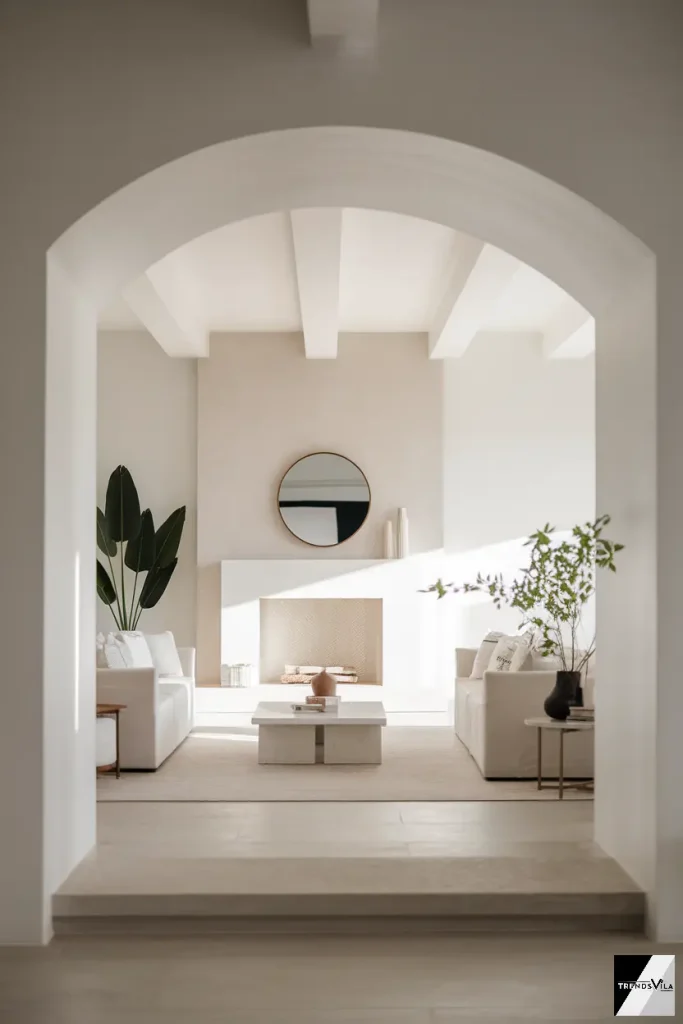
(352, 735)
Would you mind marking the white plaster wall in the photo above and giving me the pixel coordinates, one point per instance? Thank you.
(198, 73)
(69, 668)
(147, 421)
(519, 442)
(660, 399)
(262, 405)
(629, 696)
(519, 451)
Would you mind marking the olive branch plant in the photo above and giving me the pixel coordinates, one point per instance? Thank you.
(553, 589)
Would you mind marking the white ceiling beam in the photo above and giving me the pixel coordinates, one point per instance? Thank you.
(476, 282)
(347, 26)
(161, 313)
(571, 334)
(317, 254)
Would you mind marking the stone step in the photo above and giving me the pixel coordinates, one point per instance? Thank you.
(338, 895)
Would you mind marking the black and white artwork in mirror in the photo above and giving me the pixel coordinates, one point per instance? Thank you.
(324, 499)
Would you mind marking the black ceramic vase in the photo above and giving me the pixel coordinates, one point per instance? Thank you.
(566, 693)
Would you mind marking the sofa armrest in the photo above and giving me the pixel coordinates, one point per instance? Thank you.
(188, 657)
(508, 747)
(464, 661)
(137, 688)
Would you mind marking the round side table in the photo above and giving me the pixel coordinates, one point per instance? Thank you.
(560, 727)
(112, 711)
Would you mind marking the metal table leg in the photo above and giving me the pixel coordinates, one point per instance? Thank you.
(539, 758)
(561, 778)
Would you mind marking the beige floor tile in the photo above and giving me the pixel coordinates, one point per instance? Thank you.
(312, 849)
(493, 847)
(499, 811)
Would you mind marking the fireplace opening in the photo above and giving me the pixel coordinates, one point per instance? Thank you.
(301, 635)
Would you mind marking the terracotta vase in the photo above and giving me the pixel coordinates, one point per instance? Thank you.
(324, 685)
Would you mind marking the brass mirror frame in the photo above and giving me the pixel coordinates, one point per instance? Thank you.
(296, 462)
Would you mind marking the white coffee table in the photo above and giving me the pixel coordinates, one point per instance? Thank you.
(352, 735)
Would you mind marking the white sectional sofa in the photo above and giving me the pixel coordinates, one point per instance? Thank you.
(489, 721)
(159, 708)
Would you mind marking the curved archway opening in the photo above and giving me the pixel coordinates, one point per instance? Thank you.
(470, 190)
(594, 259)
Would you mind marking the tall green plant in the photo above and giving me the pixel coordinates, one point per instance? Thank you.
(553, 589)
(127, 538)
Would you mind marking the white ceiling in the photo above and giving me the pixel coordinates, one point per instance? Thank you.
(393, 272)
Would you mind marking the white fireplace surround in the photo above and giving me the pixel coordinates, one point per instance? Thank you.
(415, 662)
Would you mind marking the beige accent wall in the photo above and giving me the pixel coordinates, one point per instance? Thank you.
(147, 420)
(262, 405)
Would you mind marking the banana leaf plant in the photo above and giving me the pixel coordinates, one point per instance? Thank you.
(131, 546)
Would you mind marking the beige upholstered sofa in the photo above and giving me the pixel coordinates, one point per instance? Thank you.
(489, 721)
(159, 710)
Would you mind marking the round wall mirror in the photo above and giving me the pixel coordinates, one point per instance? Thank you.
(324, 499)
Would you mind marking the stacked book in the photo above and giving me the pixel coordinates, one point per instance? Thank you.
(317, 705)
(577, 714)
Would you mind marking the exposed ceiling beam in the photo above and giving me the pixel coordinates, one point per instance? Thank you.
(571, 334)
(159, 306)
(477, 279)
(348, 26)
(317, 254)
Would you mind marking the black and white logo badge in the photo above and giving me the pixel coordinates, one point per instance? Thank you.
(645, 986)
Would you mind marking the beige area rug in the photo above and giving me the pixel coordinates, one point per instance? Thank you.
(220, 764)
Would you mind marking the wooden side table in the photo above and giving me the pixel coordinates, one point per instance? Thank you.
(560, 727)
(112, 711)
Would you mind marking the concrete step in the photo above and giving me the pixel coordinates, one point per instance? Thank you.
(380, 894)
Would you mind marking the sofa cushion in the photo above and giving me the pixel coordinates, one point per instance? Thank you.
(162, 647)
(483, 656)
(136, 646)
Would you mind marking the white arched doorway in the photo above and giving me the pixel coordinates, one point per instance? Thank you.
(592, 257)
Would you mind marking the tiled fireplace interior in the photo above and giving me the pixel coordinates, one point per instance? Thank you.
(321, 631)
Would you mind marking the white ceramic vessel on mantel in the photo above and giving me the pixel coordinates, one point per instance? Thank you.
(402, 539)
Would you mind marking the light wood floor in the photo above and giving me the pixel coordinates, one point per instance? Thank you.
(266, 980)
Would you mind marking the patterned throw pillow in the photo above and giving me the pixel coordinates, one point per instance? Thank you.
(501, 659)
(488, 646)
(521, 659)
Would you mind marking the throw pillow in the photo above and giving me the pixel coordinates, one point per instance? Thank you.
(162, 647)
(483, 657)
(521, 659)
(101, 661)
(501, 659)
(115, 654)
(137, 648)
